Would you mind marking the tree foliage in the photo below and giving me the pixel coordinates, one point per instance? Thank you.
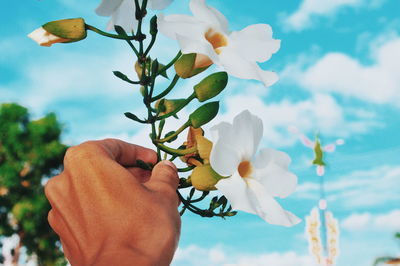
(30, 152)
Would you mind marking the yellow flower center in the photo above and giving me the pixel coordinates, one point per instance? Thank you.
(216, 39)
(245, 169)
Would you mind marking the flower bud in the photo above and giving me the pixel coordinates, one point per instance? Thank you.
(211, 86)
(204, 114)
(189, 65)
(204, 147)
(204, 178)
(60, 31)
(165, 106)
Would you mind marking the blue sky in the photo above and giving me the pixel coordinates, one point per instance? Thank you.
(338, 67)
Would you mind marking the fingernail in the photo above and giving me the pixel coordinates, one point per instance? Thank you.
(169, 163)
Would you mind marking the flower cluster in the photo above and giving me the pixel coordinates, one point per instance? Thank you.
(249, 178)
(313, 230)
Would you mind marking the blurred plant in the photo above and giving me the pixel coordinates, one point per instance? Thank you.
(204, 40)
(388, 260)
(30, 151)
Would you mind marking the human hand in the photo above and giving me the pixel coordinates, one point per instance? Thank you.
(106, 211)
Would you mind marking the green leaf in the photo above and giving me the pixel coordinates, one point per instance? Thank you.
(120, 31)
(169, 134)
(133, 117)
(153, 25)
(143, 165)
(122, 76)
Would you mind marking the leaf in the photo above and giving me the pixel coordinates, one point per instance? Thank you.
(143, 165)
(169, 134)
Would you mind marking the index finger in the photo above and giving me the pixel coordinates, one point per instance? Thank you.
(126, 154)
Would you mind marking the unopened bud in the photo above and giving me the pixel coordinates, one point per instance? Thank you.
(60, 31)
(165, 106)
(204, 178)
(211, 86)
(204, 114)
(189, 65)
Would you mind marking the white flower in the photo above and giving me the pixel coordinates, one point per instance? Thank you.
(207, 33)
(45, 38)
(122, 12)
(254, 179)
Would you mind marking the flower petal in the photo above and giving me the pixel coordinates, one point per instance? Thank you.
(247, 130)
(240, 67)
(237, 192)
(255, 42)
(199, 46)
(107, 7)
(124, 16)
(268, 155)
(224, 159)
(267, 207)
(184, 25)
(209, 14)
(277, 181)
(159, 4)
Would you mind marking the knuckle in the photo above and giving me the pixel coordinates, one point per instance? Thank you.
(50, 187)
(81, 152)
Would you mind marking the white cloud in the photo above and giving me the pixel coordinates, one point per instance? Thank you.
(357, 221)
(341, 74)
(364, 188)
(309, 10)
(197, 256)
(367, 221)
(320, 112)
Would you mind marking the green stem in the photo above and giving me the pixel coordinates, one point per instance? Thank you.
(188, 100)
(166, 67)
(176, 133)
(110, 35)
(186, 169)
(167, 90)
(153, 40)
(176, 152)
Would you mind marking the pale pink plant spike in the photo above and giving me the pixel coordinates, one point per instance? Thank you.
(306, 141)
(293, 129)
(330, 147)
(320, 170)
(340, 142)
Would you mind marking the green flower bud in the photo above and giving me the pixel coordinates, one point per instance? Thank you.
(204, 114)
(211, 86)
(189, 65)
(204, 178)
(165, 106)
(60, 31)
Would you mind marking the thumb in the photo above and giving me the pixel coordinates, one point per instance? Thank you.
(164, 180)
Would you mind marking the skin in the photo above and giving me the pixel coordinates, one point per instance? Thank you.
(109, 212)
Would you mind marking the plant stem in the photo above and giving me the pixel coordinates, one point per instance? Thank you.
(187, 169)
(176, 133)
(167, 90)
(110, 35)
(176, 152)
(166, 67)
(188, 100)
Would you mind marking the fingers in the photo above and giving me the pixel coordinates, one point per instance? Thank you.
(164, 180)
(126, 153)
(140, 174)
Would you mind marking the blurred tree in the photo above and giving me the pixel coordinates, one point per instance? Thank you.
(30, 152)
(387, 260)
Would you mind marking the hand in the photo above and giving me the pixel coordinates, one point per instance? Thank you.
(108, 212)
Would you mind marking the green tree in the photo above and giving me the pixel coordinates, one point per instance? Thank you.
(30, 152)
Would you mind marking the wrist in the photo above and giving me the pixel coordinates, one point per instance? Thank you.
(124, 257)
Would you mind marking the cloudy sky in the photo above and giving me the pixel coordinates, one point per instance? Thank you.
(339, 68)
